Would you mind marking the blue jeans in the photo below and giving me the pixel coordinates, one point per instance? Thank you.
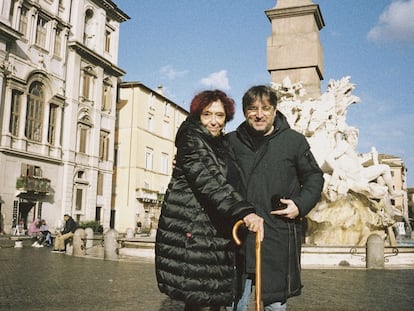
(244, 300)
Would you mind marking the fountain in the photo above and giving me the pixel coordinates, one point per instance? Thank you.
(358, 194)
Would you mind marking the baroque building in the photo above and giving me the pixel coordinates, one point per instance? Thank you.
(146, 125)
(58, 91)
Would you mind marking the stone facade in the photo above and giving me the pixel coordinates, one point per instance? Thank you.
(58, 85)
(147, 123)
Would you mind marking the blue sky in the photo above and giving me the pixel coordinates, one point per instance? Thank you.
(187, 46)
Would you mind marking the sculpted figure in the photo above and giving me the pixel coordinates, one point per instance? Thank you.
(349, 173)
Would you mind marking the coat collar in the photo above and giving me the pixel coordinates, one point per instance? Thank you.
(280, 124)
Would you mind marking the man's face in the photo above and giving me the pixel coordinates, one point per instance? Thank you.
(260, 116)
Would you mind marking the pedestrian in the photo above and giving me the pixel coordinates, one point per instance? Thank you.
(34, 232)
(46, 237)
(276, 162)
(66, 234)
(194, 252)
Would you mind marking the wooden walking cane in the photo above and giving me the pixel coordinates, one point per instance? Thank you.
(258, 285)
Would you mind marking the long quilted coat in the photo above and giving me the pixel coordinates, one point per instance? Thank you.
(282, 164)
(194, 254)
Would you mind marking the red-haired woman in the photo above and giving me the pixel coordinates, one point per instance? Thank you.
(194, 254)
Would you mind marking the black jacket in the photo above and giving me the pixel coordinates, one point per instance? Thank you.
(282, 164)
(70, 226)
(194, 254)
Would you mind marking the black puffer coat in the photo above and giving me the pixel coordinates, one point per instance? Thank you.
(282, 164)
(194, 255)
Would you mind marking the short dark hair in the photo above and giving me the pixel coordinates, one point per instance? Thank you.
(205, 98)
(261, 93)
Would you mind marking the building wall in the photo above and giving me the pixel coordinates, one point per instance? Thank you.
(147, 123)
(44, 57)
(398, 172)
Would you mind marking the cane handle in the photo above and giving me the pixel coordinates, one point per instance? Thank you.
(234, 232)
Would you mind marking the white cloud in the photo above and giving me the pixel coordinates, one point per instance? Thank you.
(396, 23)
(170, 73)
(217, 80)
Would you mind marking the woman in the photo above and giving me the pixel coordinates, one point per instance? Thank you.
(194, 254)
(34, 232)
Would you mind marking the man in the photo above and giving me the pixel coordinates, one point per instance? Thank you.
(67, 233)
(275, 161)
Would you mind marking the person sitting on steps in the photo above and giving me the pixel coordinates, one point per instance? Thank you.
(66, 234)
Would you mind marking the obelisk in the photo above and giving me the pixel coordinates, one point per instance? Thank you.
(294, 49)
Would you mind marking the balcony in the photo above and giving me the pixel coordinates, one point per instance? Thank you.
(34, 184)
(149, 196)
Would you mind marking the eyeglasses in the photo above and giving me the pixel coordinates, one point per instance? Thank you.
(267, 109)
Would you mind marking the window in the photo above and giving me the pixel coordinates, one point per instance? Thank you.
(15, 113)
(83, 138)
(165, 129)
(51, 133)
(100, 183)
(103, 146)
(98, 212)
(79, 199)
(34, 114)
(151, 102)
(58, 43)
(107, 41)
(88, 28)
(31, 170)
(41, 32)
(80, 174)
(86, 79)
(87, 82)
(106, 96)
(11, 11)
(149, 156)
(167, 110)
(84, 126)
(164, 163)
(116, 155)
(150, 123)
(23, 21)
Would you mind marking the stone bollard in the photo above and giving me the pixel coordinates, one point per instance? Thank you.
(375, 252)
(129, 233)
(89, 239)
(111, 245)
(79, 242)
(18, 244)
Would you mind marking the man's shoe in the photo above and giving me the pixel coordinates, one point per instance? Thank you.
(35, 244)
(56, 251)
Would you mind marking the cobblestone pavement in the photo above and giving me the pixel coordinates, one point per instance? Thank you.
(36, 279)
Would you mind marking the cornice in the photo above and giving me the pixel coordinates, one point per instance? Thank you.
(297, 11)
(112, 10)
(96, 59)
(9, 33)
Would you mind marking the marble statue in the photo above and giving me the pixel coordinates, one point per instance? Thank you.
(356, 200)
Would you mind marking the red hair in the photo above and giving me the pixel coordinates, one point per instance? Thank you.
(205, 98)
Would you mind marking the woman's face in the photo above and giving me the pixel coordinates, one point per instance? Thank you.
(213, 117)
